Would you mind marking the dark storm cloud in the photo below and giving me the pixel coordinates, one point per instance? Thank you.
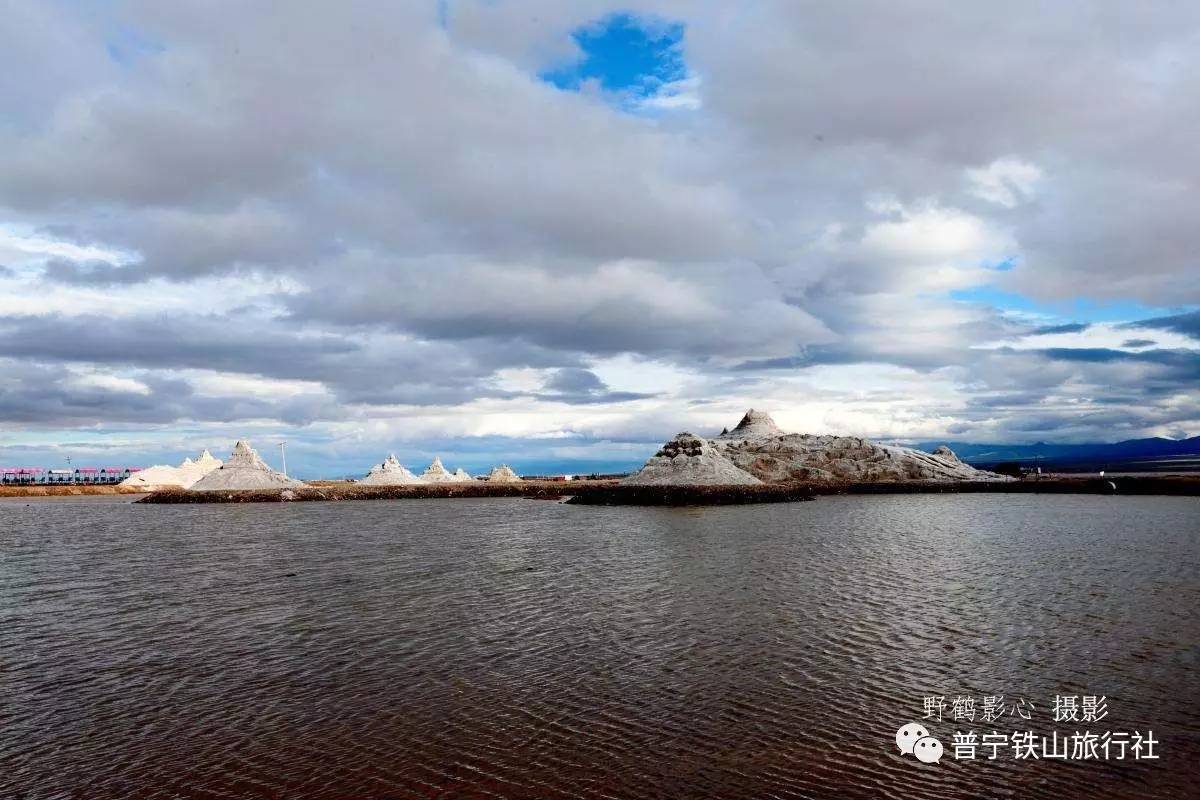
(205, 342)
(576, 381)
(1070, 327)
(95, 273)
(1188, 324)
(1003, 400)
(39, 393)
(582, 387)
(1185, 362)
(53, 395)
(361, 368)
(610, 308)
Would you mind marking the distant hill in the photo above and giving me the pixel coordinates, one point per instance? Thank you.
(1150, 454)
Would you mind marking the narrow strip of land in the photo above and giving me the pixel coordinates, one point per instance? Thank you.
(613, 493)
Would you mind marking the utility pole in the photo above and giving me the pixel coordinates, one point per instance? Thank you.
(283, 457)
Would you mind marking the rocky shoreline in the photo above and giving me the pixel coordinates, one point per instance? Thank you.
(730, 495)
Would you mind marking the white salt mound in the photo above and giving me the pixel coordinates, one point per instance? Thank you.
(688, 460)
(758, 448)
(435, 472)
(195, 470)
(159, 476)
(389, 473)
(245, 470)
(503, 474)
(162, 476)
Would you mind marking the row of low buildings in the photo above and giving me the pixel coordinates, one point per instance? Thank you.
(37, 476)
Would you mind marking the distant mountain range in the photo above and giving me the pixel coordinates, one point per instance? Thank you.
(1150, 454)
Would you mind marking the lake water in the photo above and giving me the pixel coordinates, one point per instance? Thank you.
(516, 648)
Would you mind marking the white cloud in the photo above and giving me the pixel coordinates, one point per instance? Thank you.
(683, 94)
(109, 382)
(1006, 181)
(24, 247)
(932, 235)
(915, 248)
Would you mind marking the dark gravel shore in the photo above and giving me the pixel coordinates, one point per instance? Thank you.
(344, 490)
(581, 492)
(613, 493)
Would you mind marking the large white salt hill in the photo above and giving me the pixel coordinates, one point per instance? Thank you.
(759, 448)
(164, 476)
(688, 460)
(245, 469)
(389, 473)
(503, 474)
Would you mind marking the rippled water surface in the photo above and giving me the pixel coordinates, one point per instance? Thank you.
(515, 648)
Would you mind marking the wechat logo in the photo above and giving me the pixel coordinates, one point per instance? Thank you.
(914, 740)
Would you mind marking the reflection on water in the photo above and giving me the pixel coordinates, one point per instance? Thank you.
(509, 648)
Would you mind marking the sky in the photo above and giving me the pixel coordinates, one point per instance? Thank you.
(554, 233)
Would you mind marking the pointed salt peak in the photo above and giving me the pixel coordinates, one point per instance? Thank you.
(757, 423)
(436, 471)
(205, 456)
(503, 473)
(245, 457)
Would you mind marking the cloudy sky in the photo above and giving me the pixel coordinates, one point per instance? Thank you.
(555, 233)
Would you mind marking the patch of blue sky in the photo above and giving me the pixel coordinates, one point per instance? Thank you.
(127, 46)
(628, 56)
(1079, 309)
